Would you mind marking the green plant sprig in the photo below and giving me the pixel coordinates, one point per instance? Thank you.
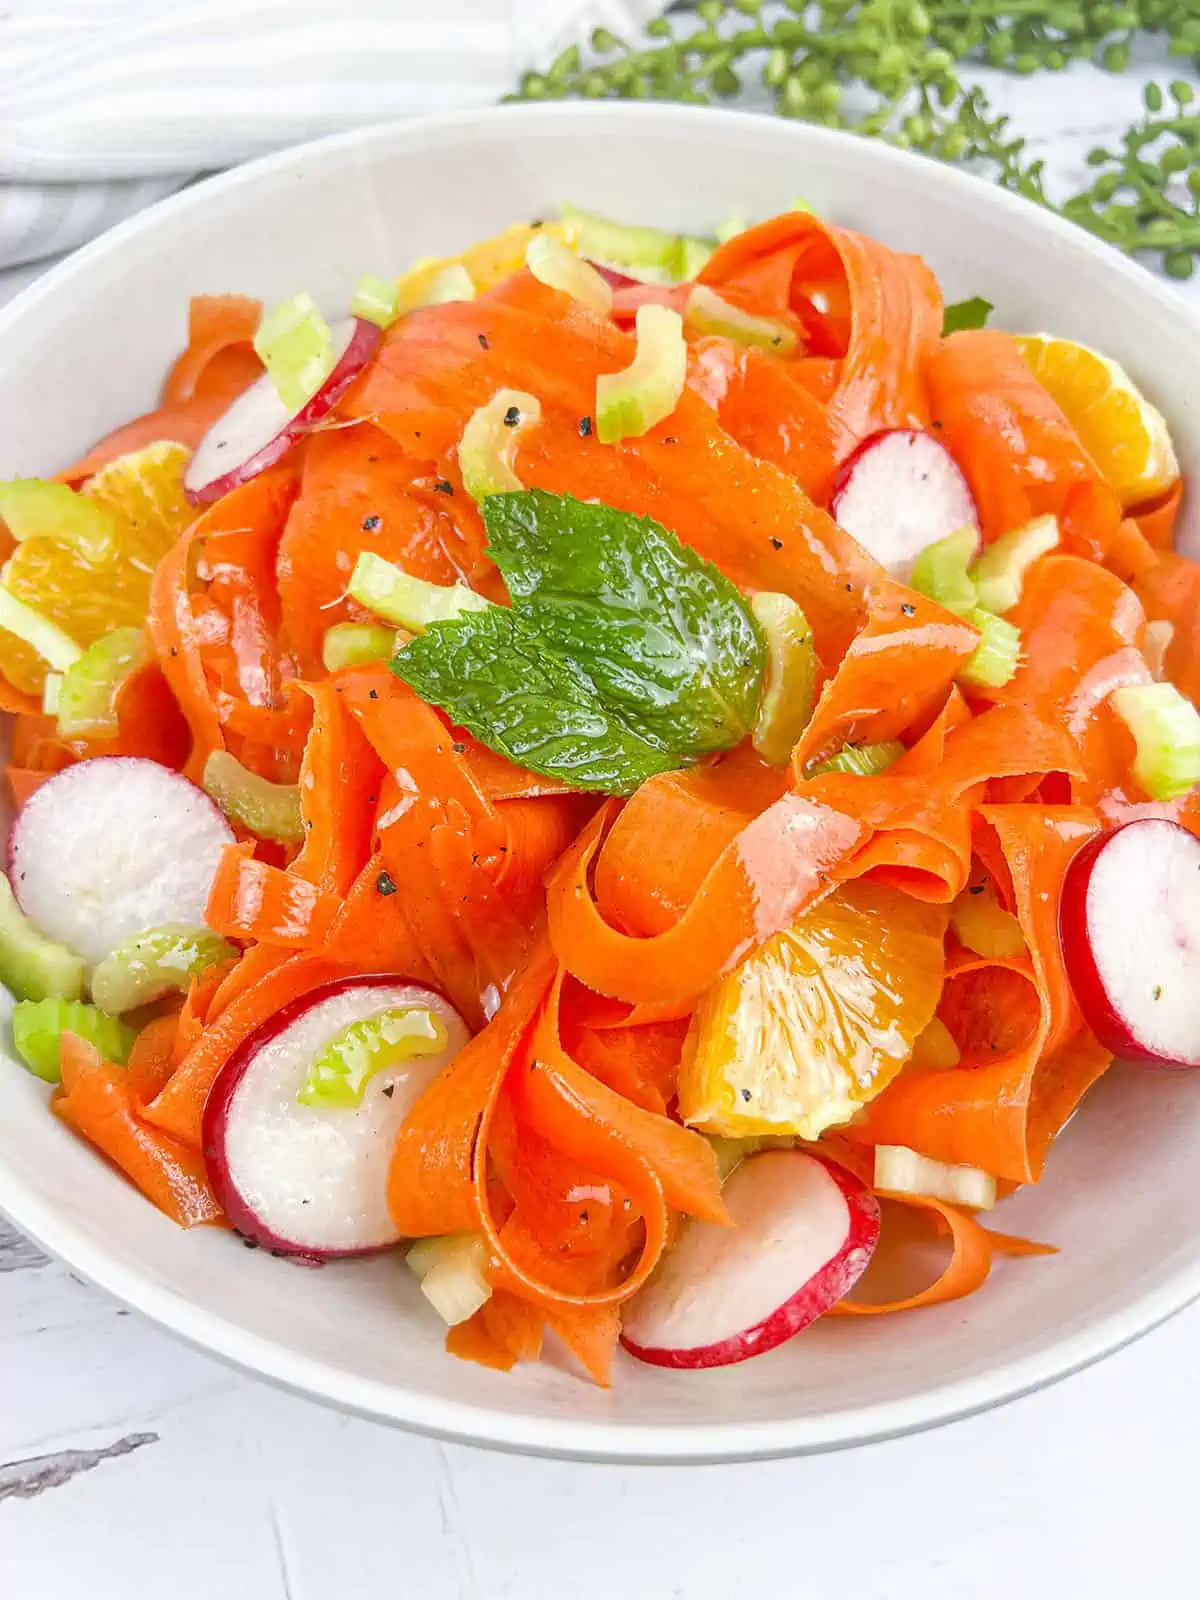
(891, 69)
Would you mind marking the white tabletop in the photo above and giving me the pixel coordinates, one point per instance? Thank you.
(130, 1464)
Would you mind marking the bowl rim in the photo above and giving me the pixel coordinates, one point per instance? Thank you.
(53, 1229)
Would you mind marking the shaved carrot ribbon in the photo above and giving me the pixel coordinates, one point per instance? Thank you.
(893, 303)
(972, 1249)
(780, 864)
(98, 1101)
(260, 504)
(250, 899)
(220, 358)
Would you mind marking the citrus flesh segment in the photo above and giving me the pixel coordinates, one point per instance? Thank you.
(1124, 434)
(816, 1021)
(144, 493)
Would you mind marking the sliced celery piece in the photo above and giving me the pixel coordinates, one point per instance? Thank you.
(647, 253)
(295, 344)
(33, 509)
(376, 300)
(997, 655)
(55, 647)
(32, 966)
(451, 283)
(558, 267)
(707, 312)
(791, 676)
(271, 810)
(355, 644)
(489, 440)
(983, 925)
(87, 697)
(51, 693)
(861, 760)
(940, 571)
(999, 574)
(451, 1270)
(630, 403)
(350, 1060)
(159, 962)
(1166, 729)
(409, 602)
(900, 1170)
(38, 1027)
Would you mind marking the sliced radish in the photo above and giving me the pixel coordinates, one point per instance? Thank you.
(804, 1231)
(899, 492)
(308, 1180)
(111, 847)
(258, 429)
(1130, 926)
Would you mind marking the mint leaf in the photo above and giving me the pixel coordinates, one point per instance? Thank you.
(492, 673)
(965, 314)
(669, 643)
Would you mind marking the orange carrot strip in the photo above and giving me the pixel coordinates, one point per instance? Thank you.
(1157, 521)
(1020, 454)
(339, 791)
(504, 1331)
(179, 1109)
(370, 932)
(432, 1178)
(981, 1116)
(600, 1120)
(217, 324)
(98, 1102)
(260, 503)
(1170, 593)
(774, 869)
(251, 900)
(764, 406)
(895, 315)
(152, 1059)
(896, 673)
(972, 1250)
(24, 781)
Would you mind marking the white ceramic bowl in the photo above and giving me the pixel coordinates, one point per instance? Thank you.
(87, 346)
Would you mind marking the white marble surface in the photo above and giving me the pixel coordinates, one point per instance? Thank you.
(128, 1462)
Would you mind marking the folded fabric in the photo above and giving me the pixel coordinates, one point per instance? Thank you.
(106, 105)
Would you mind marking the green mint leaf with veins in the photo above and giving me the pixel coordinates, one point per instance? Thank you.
(669, 643)
(492, 673)
(964, 314)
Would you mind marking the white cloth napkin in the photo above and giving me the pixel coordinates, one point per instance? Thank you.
(106, 105)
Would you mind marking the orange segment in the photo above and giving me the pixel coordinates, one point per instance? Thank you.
(487, 263)
(144, 493)
(816, 1021)
(1123, 433)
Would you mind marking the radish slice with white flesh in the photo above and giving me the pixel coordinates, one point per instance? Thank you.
(900, 491)
(1129, 921)
(804, 1231)
(111, 847)
(311, 1180)
(259, 429)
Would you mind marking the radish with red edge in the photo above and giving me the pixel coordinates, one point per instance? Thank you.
(111, 847)
(307, 1178)
(804, 1231)
(1129, 920)
(259, 429)
(900, 491)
